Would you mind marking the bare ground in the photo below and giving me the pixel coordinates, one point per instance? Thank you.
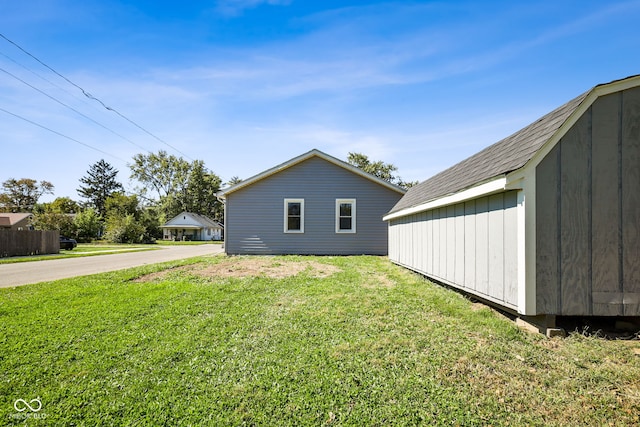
(250, 267)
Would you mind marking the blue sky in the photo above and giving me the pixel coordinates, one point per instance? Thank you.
(247, 84)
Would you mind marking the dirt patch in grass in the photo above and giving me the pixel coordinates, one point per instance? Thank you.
(251, 267)
(372, 280)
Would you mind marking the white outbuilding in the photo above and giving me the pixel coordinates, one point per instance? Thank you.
(543, 223)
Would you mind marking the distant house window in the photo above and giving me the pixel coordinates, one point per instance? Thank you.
(345, 215)
(294, 215)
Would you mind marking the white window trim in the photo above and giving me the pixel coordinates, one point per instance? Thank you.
(286, 215)
(353, 216)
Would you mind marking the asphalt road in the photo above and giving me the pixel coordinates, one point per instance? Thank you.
(24, 273)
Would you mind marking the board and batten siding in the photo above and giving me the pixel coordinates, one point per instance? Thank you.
(255, 214)
(588, 214)
(471, 246)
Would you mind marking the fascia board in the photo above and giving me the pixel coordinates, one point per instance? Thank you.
(313, 153)
(493, 186)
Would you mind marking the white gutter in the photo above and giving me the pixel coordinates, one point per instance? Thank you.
(494, 186)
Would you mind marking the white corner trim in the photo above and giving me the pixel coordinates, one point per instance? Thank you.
(494, 186)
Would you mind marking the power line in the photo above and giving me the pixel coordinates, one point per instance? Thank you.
(83, 100)
(61, 134)
(88, 95)
(72, 109)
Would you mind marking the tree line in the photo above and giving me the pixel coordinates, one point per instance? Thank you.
(167, 186)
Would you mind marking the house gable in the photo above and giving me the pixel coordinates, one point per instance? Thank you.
(16, 221)
(191, 220)
(302, 158)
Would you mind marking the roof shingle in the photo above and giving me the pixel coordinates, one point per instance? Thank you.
(503, 157)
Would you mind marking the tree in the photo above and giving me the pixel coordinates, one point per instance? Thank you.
(179, 185)
(88, 225)
(122, 223)
(379, 169)
(150, 220)
(165, 173)
(63, 205)
(119, 204)
(57, 215)
(55, 221)
(21, 195)
(99, 183)
(202, 187)
(124, 229)
(234, 180)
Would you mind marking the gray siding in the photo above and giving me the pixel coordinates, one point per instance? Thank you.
(588, 214)
(255, 214)
(471, 246)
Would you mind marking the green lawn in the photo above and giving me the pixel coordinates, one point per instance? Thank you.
(82, 250)
(294, 341)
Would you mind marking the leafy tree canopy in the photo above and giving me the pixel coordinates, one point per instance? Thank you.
(379, 169)
(164, 173)
(178, 185)
(61, 205)
(21, 195)
(119, 204)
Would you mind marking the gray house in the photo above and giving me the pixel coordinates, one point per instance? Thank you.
(545, 222)
(311, 204)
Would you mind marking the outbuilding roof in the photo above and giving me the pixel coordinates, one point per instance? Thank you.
(499, 159)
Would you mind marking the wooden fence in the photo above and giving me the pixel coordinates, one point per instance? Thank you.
(28, 242)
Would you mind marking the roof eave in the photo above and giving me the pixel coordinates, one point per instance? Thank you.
(494, 185)
(301, 158)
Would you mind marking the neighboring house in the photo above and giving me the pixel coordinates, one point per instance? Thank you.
(545, 222)
(191, 226)
(311, 204)
(16, 221)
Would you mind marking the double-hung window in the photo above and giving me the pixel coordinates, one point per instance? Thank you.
(294, 215)
(345, 215)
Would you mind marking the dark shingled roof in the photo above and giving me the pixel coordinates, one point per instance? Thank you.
(503, 157)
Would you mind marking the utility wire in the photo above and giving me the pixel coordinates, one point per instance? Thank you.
(83, 100)
(88, 95)
(61, 134)
(73, 109)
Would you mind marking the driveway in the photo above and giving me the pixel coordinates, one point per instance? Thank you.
(24, 273)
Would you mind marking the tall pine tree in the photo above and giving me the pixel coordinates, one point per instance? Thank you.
(99, 183)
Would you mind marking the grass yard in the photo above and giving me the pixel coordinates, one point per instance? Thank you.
(294, 341)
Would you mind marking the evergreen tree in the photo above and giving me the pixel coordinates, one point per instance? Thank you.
(99, 184)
